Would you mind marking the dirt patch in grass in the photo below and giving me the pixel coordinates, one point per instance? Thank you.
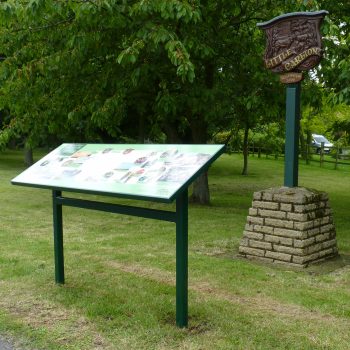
(64, 325)
(257, 305)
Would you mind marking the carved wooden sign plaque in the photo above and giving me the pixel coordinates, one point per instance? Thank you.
(293, 43)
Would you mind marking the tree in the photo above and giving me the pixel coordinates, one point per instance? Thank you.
(73, 70)
(117, 70)
(335, 72)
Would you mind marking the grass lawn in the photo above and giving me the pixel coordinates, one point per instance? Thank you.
(120, 272)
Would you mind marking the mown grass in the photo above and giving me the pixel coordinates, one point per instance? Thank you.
(120, 271)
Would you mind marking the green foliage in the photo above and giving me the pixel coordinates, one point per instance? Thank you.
(176, 69)
(67, 68)
(5, 137)
(336, 69)
(74, 70)
(340, 144)
(233, 140)
(269, 138)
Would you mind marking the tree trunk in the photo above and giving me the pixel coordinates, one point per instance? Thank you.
(141, 129)
(245, 150)
(171, 131)
(28, 156)
(200, 192)
(199, 132)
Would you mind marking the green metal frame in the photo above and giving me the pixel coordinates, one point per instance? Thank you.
(182, 259)
(292, 135)
(180, 217)
(58, 237)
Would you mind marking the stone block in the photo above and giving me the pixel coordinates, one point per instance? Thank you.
(302, 226)
(266, 205)
(326, 252)
(260, 244)
(255, 220)
(278, 256)
(297, 217)
(292, 196)
(328, 244)
(305, 259)
(279, 240)
(291, 226)
(304, 208)
(248, 227)
(253, 235)
(283, 198)
(263, 229)
(288, 250)
(251, 251)
(326, 228)
(311, 216)
(327, 212)
(299, 260)
(319, 213)
(289, 233)
(257, 195)
(286, 207)
(326, 220)
(253, 212)
(314, 248)
(313, 232)
(276, 214)
(317, 222)
(322, 237)
(279, 223)
(303, 243)
(244, 242)
(267, 196)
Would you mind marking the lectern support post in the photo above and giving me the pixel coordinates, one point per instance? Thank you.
(182, 259)
(58, 237)
(180, 217)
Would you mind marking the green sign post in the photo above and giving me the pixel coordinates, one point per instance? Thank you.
(160, 173)
(292, 134)
(293, 45)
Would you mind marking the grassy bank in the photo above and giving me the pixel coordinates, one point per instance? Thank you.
(120, 288)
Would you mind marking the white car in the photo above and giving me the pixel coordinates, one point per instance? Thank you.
(317, 141)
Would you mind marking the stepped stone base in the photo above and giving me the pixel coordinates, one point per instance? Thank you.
(292, 226)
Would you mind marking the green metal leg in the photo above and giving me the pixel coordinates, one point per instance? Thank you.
(182, 259)
(58, 237)
(292, 135)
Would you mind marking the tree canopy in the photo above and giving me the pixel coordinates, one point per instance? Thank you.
(159, 70)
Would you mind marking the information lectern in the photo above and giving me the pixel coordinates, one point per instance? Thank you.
(159, 173)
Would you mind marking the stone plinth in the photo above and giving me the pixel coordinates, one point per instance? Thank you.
(292, 226)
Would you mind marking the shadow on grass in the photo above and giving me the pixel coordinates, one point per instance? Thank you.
(335, 265)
